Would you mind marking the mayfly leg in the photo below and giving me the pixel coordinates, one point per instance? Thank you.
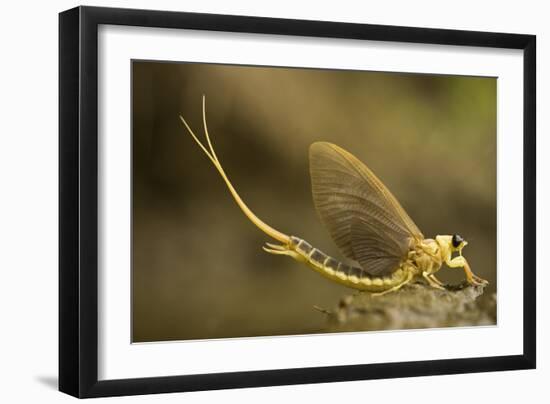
(473, 278)
(437, 281)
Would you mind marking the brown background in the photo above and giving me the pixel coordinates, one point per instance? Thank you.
(198, 268)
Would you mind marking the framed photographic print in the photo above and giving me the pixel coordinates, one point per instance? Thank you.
(251, 201)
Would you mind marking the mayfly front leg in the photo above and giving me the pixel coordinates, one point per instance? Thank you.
(473, 278)
(460, 261)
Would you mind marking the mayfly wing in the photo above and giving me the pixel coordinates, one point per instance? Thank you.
(364, 219)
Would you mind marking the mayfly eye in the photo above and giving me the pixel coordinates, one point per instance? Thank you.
(457, 240)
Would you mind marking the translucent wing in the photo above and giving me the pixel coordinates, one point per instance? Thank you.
(364, 219)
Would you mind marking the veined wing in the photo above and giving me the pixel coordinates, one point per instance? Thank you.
(362, 216)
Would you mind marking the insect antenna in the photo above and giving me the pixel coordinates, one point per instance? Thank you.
(211, 154)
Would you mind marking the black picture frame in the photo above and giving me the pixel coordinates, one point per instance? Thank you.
(78, 200)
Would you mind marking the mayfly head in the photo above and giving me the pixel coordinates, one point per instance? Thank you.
(458, 243)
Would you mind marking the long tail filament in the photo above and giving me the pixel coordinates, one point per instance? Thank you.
(270, 231)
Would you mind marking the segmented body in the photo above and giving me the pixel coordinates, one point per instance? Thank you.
(348, 275)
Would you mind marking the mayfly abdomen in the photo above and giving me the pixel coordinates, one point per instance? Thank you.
(336, 270)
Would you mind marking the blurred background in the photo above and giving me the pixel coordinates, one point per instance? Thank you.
(198, 268)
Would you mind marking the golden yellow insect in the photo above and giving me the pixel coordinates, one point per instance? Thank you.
(365, 221)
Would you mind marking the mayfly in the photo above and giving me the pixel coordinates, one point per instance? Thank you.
(365, 221)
